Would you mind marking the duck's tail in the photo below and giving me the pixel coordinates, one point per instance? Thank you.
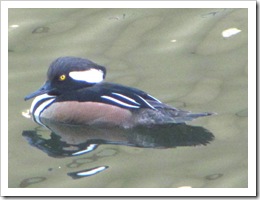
(188, 116)
(204, 114)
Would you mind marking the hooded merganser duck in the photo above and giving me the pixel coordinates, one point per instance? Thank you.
(75, 93)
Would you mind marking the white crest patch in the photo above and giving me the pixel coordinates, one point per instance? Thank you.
(90, 76)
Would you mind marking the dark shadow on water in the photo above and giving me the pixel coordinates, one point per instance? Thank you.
(67, 140)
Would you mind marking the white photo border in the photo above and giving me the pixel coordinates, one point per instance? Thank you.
(250, 191)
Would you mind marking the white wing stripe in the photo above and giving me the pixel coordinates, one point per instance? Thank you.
(119, 102)
(154, 98)
(125, 97)
(147, 103)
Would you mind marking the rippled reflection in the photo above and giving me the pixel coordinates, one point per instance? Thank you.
(30, 181)
(88, 172)
(68, 140)
(72, 141)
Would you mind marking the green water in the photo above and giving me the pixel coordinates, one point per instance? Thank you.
(177, 55)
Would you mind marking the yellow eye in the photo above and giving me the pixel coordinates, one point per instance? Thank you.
(62, 77)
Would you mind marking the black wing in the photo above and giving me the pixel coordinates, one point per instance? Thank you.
(114, 94)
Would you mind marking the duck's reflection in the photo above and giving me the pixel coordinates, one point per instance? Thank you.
(67, 140)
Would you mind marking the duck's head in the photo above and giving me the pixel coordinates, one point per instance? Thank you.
(70, 73)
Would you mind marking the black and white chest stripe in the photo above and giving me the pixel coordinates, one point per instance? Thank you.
(39, 104)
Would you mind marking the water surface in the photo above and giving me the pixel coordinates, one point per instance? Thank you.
(177, 55)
